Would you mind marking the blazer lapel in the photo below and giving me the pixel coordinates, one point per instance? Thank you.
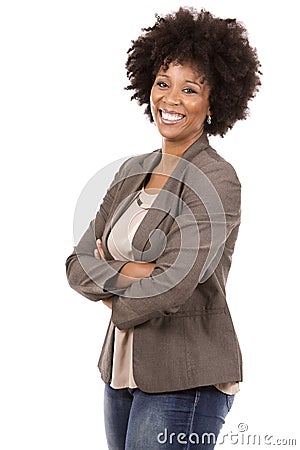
(146, 245)
(132, 183)
(164, 204)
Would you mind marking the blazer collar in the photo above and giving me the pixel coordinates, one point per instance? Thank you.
(152, 159)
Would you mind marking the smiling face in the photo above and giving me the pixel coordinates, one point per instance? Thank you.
(180, 104)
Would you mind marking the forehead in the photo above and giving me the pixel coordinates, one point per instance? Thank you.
(186, 69)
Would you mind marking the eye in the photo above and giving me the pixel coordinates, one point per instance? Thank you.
(189, 91)
(162, 84)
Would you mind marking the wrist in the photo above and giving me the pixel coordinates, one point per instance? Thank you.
(137, 270)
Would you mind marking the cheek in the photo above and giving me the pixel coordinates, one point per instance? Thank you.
(199, 109)
(152, 107)
(153, 97)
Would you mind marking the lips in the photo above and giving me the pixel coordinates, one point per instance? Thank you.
(170, 117)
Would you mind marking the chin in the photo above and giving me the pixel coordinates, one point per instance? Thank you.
(169, 131)
(170, 136)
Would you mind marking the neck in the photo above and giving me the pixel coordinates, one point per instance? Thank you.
(177, 148)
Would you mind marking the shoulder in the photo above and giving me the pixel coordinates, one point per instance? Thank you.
(131, 166)
(135, 161)
(213, 177)
(217, 167)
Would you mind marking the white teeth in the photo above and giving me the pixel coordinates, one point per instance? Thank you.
(171, 116)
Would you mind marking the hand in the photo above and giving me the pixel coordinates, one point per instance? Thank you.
(133, 270)
(108, 302)
(99, 254)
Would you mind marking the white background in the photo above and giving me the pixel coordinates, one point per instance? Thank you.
(64, 116)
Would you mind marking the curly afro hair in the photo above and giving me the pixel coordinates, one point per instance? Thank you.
(219, 48)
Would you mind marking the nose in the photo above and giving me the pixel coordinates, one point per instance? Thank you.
(172, 97)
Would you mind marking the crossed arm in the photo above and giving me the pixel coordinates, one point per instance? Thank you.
(150, 290)
(132, 270)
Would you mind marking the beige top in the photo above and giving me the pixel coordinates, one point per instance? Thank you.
(119, 245)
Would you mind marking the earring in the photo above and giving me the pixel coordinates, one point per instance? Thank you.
(208, 120)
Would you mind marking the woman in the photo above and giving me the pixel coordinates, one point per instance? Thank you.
(159, 250)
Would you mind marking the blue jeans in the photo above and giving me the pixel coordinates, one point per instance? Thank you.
(185, 420)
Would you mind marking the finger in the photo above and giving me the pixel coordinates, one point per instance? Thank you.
(100, 249)
(99, 244)
(96, 254)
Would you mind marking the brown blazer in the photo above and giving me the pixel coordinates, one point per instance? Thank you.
(183, 332)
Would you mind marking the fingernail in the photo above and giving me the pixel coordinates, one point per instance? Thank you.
(99, 241)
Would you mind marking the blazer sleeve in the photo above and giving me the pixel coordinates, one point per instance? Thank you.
(85, 273)
(195, 239)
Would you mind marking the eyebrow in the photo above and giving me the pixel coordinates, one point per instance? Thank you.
(186, 81)
(193, 82)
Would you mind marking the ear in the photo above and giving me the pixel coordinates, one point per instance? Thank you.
(209, 113)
